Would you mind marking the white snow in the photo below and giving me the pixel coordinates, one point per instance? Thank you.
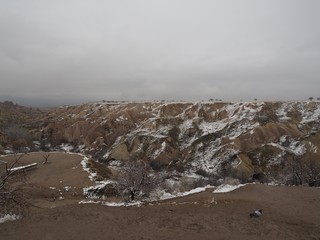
(8, 151)
(212, 127)
(9, 217)
(66, 147)
(115, 163)
(227, 188)
(193, 191)
(122, 204)
(121, 119)
(313, 148)
(283, 139)
(67, 188)
(84, 163)
(205, 156)
(187, 124)
(282, 112)
(157, 152)
(89, 191)
(23, 167)
(297, 148)
(113, 204)
(165, 196)
(311, 116)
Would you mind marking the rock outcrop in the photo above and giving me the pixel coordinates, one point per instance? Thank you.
(244, 139)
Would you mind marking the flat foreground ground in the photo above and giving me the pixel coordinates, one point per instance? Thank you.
(288, 213)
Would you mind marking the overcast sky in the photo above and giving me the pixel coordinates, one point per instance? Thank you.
(63, 51)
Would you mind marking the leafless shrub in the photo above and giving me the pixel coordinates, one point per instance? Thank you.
(304, 171)
(295, 171)
(12, 199)
(45, 157)
(135, 180)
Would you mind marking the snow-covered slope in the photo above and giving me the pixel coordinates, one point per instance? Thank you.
(245, 139)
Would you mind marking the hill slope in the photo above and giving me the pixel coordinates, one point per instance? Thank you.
(16, 128)
(246, 140)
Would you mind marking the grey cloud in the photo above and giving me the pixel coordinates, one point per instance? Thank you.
(76, 51)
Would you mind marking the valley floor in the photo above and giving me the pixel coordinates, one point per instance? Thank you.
(288, 213)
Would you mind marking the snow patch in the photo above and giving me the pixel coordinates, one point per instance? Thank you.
(90, 192)
(8, 217)
(212, 127)
(8, 151)
(84, 164)
(297, 148)
(227, 188)
(282, 112)
(113, 204)
(67, 188)
(157, 152)
(164, 196)
(66, 147)
(23, 167)
(312, 116)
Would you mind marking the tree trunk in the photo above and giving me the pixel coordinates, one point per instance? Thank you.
(131, 195)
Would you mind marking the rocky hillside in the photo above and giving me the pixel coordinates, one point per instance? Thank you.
(246, 140)
(16, 128)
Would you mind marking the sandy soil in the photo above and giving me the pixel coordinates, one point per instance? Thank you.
(288, 213)
(62, 177)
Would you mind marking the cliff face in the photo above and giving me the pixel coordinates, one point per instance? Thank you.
(247, 140)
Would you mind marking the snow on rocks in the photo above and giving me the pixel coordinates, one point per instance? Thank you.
(91, 192)
(297, 148)
(311, 116)
(66, 147)
(282, 112)
(157, 152)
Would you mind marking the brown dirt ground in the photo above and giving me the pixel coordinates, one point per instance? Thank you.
(47, 183)
(288, 212)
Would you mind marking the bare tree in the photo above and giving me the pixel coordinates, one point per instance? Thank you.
(135, 179)
(12, 199)
(46, 157)
(312, 174)
(304, 171)
(297, 171)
